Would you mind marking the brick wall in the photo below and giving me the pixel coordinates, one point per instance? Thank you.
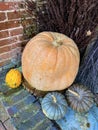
(11, 34)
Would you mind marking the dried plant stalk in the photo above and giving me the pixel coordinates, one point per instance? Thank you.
(88, 72)
(75, 18)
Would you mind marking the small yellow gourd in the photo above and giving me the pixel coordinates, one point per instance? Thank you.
(13, 78)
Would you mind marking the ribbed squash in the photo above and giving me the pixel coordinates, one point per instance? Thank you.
(50, 61)
(54, 105)
(80, 98)
(13, 78)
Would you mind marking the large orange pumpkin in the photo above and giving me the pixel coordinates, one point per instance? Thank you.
(50, 61)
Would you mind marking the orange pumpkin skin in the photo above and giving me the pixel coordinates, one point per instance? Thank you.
(50, 61)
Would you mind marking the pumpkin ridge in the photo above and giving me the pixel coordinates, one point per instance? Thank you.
(59, 111)
(56, 112)
(66, 58)
(46, 103)
(71, 45)
(47, 35)
(35, 58)
(68, 48)
(47, 108)
(87, 104)
(34, 41)
(84, 107)
(63, 51)
(56, 58)
(60, 108)
(59, 50)
(89, 100)
(71, 61)
(63, 104)
(44, 41)
(39, 54)
(69, 55)
(73, 52)
(49, 55)
(44, 34)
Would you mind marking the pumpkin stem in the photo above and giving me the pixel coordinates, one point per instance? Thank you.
(57, 43)
(74, 93)
(54, 98)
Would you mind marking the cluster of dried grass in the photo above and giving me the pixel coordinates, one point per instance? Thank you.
(75, 18)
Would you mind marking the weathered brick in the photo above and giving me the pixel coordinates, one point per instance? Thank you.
(4, 34)
(5, 49)
(26, 114)
(16, 31)
(4, 42)
(15, 15)
(5, 56)
(8, 41)
(2, 16)
(15, 45)
(6, 5)
(43, 125)
(9, 24)
(17, 97)
(31, 122)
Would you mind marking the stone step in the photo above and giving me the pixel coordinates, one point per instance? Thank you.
(14, 96)
(21, 106)
(24, 115)
(36, 122)
(3, 88)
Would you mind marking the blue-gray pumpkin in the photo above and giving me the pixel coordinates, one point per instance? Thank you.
(80, 98)
(54, 105)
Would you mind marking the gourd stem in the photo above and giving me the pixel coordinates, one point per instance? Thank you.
(57, 43)
(74, 93)
(54, 98)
